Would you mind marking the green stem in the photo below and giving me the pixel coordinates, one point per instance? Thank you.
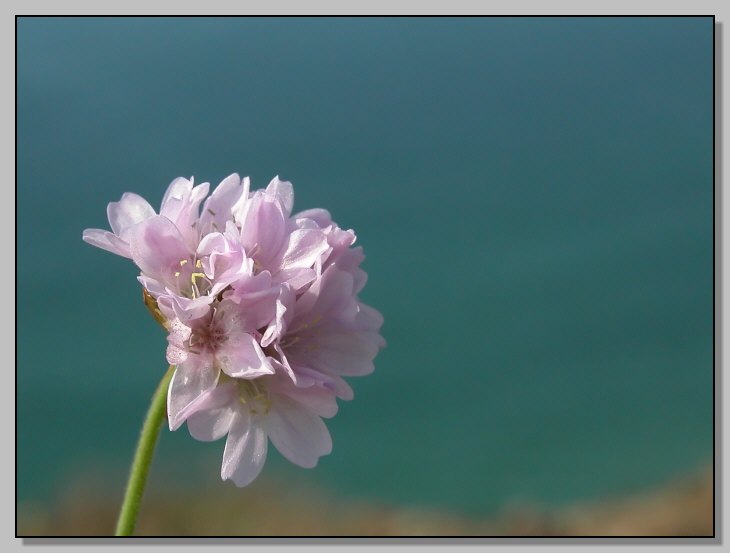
(143, 458)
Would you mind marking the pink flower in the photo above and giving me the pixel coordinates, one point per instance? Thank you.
(262, 311)
(222, 341)
(288, 248)
(250, 412)
(179, 205)
(325, 333)
(170, 248)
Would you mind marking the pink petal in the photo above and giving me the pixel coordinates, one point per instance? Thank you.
(180, 205)
(320, 216)
(171, 204)
(211, 425)
(184, 309)
(316, 399)
(305, 376)
(329, 296)
(177, 351)
(264, 230)
(252, 310)
(249, 285)
(199, 193)
(154, 287)
(296, 277)
(106, 241)
(157, 248)
(297, 433)
(217, 209)
(242, 357)
(127, 212)
(277, 326)
(303, 249)
(283, 365)
(349, 261)
(241, 206)
(340, 241)
(333, 383)
(223, 260)
(341, 388)
(186, 393)
(283, 191)
(245, 451)
(368, 318)
(339, 352)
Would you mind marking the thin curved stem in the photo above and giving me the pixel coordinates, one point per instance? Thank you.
(143, 458)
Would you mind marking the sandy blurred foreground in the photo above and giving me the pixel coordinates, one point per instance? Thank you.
(680, 508)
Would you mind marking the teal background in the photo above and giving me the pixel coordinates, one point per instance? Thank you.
(534, 197)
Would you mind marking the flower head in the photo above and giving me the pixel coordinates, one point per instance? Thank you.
(262, 312)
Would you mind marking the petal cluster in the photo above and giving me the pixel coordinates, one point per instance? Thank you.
(262, 312)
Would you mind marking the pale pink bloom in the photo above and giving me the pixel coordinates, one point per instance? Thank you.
(312, 342)
(123, 215)
(180, 251)
(339, 240)
(251, 412)
(223, 340)
(183, 281)
(179, 205)
(277, 243)
(326, 333)
(262, 310)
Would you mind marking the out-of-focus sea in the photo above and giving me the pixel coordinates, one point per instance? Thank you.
(534, 197)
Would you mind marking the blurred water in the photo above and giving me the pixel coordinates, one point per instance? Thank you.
(534, 197)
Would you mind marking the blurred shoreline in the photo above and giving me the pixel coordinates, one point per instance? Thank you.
(681, 507)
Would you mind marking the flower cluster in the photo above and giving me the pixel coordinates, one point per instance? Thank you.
(262, 311)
